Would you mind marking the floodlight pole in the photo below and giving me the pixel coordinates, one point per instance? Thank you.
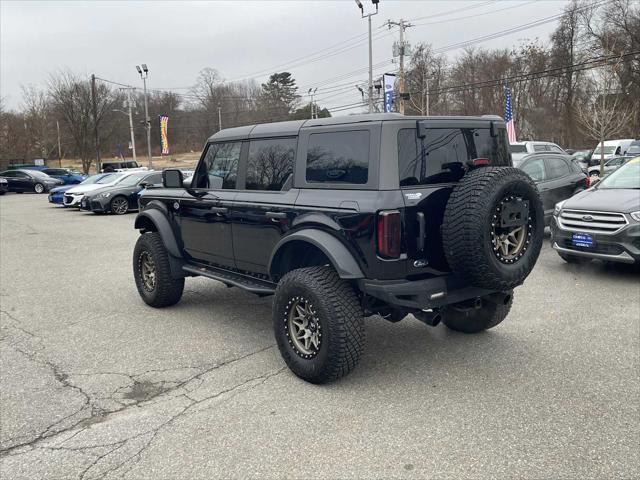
(144, 73)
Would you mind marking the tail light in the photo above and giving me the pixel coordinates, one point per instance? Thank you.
(587, 182)
(389, 224)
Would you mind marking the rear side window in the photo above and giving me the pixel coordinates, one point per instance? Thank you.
(219, 170)
(440, 157)
(556, 168)
(519, 148)
(338, 157)
(535, 169)
(270, 163)
(540, 148)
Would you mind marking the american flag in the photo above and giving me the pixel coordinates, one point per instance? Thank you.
(508, 117)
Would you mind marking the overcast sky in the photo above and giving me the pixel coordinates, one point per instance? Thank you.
(239, 39)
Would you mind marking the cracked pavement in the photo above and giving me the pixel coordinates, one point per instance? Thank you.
(95, 384)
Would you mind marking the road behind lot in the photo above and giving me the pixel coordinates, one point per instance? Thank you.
(94, 383)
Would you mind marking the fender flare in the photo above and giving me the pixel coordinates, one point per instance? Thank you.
(337, 253)
(163, 228)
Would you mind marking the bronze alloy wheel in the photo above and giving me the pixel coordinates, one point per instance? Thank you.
(119, 205)
(303, 328)
(147, 268)
(509, 243)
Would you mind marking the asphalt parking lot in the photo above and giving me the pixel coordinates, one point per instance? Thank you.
(94, 383)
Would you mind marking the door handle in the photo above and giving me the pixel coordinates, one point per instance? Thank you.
(276, 215)
(219, 209)
(421, 231)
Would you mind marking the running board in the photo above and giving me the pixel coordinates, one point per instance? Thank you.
(246, 282)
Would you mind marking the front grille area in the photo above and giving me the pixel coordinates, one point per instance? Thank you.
(596, 222)
(68, 199)
(606, 248)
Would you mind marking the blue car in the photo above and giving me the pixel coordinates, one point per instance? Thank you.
(56, 195)
(67, 176)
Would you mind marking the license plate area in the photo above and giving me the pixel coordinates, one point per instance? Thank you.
(582, 240)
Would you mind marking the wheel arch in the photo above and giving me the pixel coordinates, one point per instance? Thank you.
(153, 220)
(311, 247)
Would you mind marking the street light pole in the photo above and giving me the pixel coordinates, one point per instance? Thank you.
(369, 15)
(219, 117)
(144, 73)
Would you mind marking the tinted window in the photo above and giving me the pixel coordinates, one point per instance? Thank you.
(540, 148)
(556, 168)
(8, 174)
(270, 163)
(441, 156)
(219, 170)
(338, 157)
(130, 180)
(131, 165)
(535, 169)
(155, 178)
(519, 148)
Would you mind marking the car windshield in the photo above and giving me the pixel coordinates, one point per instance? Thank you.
(627, 177)
(93, 179)
(635, 149)
(109, 178)
(518, 148)
(131, 180)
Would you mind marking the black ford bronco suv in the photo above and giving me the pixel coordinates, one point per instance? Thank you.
(342, 218)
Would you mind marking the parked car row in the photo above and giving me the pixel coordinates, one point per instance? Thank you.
(25, 180)
(115, 192)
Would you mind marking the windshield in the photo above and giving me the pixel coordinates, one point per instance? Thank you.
(518, 148)
(627, 177)
(93, 179)
(109, 178)
(131, 180)
(634, 149)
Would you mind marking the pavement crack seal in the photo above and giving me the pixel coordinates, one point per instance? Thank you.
(99, 415)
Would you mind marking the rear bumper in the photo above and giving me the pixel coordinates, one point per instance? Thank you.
(623, 246)
(422, 294)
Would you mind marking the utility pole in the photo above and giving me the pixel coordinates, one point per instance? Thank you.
(94, 103)
(314, 110)
(219, 117)
(133, 136)
(427, 111)
(369, 15)
(59, 147)
(402, 25)
(144, 73)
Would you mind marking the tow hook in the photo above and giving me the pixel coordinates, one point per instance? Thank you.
(431, 318)
(500, 298)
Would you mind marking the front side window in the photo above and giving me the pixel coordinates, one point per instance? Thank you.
(219, 170)
(338, 157)
(441, 156)
(535, 169)
(556, 168)
(270, 163)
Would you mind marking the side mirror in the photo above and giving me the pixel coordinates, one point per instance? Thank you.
(172, 178)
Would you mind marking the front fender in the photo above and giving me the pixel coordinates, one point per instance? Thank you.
(162, 226)
(340, 257)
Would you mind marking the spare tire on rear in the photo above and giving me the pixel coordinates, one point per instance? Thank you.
(493, 227)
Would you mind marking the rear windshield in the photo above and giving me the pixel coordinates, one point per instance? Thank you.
(518, 149)
(442, 154)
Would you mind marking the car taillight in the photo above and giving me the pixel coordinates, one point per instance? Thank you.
(587, 182)
(480, 162)
(389, 225)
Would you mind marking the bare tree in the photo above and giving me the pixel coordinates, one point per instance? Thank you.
(71, 97)
(425, 76)
(608, 114)
(39, 124)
